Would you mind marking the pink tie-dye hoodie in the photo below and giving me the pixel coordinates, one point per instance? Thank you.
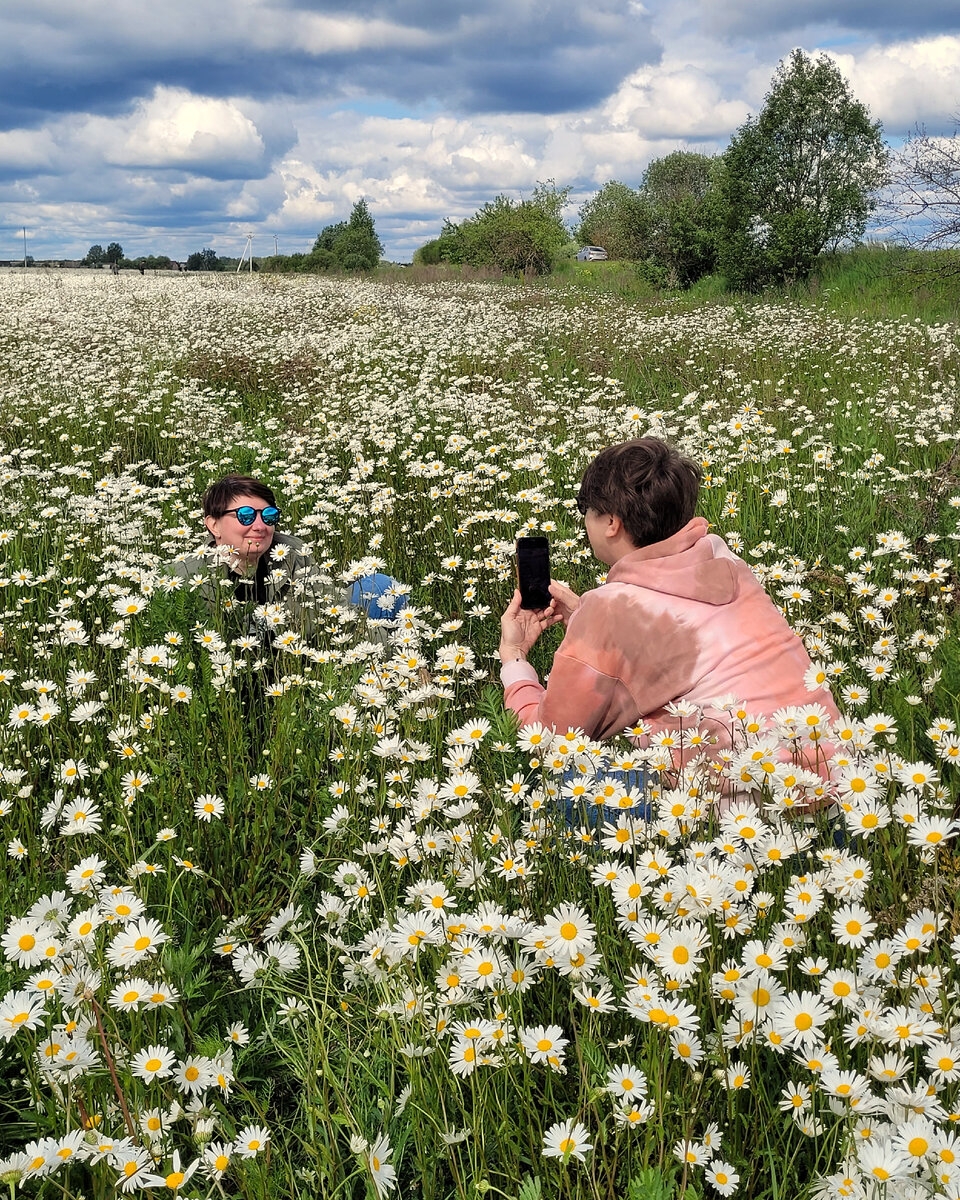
(681, 619)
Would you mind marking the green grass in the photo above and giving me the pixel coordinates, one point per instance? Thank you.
(884, 283)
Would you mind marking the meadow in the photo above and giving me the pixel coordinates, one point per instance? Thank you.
(353, 948)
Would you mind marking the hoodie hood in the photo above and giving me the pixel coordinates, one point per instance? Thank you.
(691, 564)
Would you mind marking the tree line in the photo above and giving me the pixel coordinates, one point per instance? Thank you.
(799, 178)
(113, 256)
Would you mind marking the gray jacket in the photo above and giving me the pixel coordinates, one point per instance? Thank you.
(294, 582)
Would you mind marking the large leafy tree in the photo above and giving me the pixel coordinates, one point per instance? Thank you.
(347, 245)
(114, 253)
(798, 178)
(358, 248)
(679, 191)
(95, 256)
(204, 260)
(516, 236)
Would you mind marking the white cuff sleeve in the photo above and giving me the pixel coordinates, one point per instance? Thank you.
(517, 672)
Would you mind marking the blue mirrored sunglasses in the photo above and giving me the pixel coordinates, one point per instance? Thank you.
(247, 514)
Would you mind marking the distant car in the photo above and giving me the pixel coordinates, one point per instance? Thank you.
(592, 254)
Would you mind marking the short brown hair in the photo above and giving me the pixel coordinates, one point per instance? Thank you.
(647, 483)
(220, 495)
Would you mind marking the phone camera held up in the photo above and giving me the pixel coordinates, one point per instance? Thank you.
(533, 572)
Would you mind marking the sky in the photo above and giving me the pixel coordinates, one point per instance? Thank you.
(173, 125)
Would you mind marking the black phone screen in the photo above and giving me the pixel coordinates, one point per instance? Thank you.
(533, 572)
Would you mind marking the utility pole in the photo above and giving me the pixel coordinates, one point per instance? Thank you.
(276, 245)
(24, 245)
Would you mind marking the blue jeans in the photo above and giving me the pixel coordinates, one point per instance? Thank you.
(366, 593)
(595, 815)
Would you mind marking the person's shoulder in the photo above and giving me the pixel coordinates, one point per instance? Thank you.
(191, 563)
(599, 600)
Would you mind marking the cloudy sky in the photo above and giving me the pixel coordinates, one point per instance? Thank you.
(169, 125)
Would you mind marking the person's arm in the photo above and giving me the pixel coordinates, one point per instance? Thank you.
(577, 696)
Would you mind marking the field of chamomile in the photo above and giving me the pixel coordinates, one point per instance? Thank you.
(295, 912)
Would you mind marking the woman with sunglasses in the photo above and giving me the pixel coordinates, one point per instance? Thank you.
(266, 566)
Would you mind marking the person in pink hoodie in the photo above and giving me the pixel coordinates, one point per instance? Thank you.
(679, 618)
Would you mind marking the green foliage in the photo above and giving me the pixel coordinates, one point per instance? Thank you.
(153, 262)
(327, 237)
(619, 219)
(447, 248)
(798, 178)
(428, 255)
(666, 223)
(521, 237)
(95, 256)
(285, 263)
(531, 1188)
(347, 245)
(204, 260)
(649, 1184)
(886, 282)
(679, 190)
(114, 253)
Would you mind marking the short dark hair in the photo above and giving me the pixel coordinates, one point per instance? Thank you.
(220, 495)
(647, 483)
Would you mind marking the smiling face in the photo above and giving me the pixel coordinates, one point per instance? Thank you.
(249, 541)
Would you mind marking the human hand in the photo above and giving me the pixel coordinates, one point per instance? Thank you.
(520, 628)
(565, 601)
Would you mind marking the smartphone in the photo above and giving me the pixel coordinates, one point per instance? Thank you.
(533, 572)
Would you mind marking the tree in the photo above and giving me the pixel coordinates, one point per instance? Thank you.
(798, 178)
(667, 223)
(95, 256)
(447, 248)
(327, 237)
(618, 219)
(677, 178)
(925, 197)
(114, 253)
(358, 248)
(522, 236)
(347, 245)
(678, 188)
(204, 260)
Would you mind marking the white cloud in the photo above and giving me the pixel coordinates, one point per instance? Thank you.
(321, 35)
(908, 82)
(236, 127)
(27, 150)
(678, 100)
(175, 128)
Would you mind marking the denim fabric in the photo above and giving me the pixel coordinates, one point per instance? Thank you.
(366, 592)
(578, 813)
